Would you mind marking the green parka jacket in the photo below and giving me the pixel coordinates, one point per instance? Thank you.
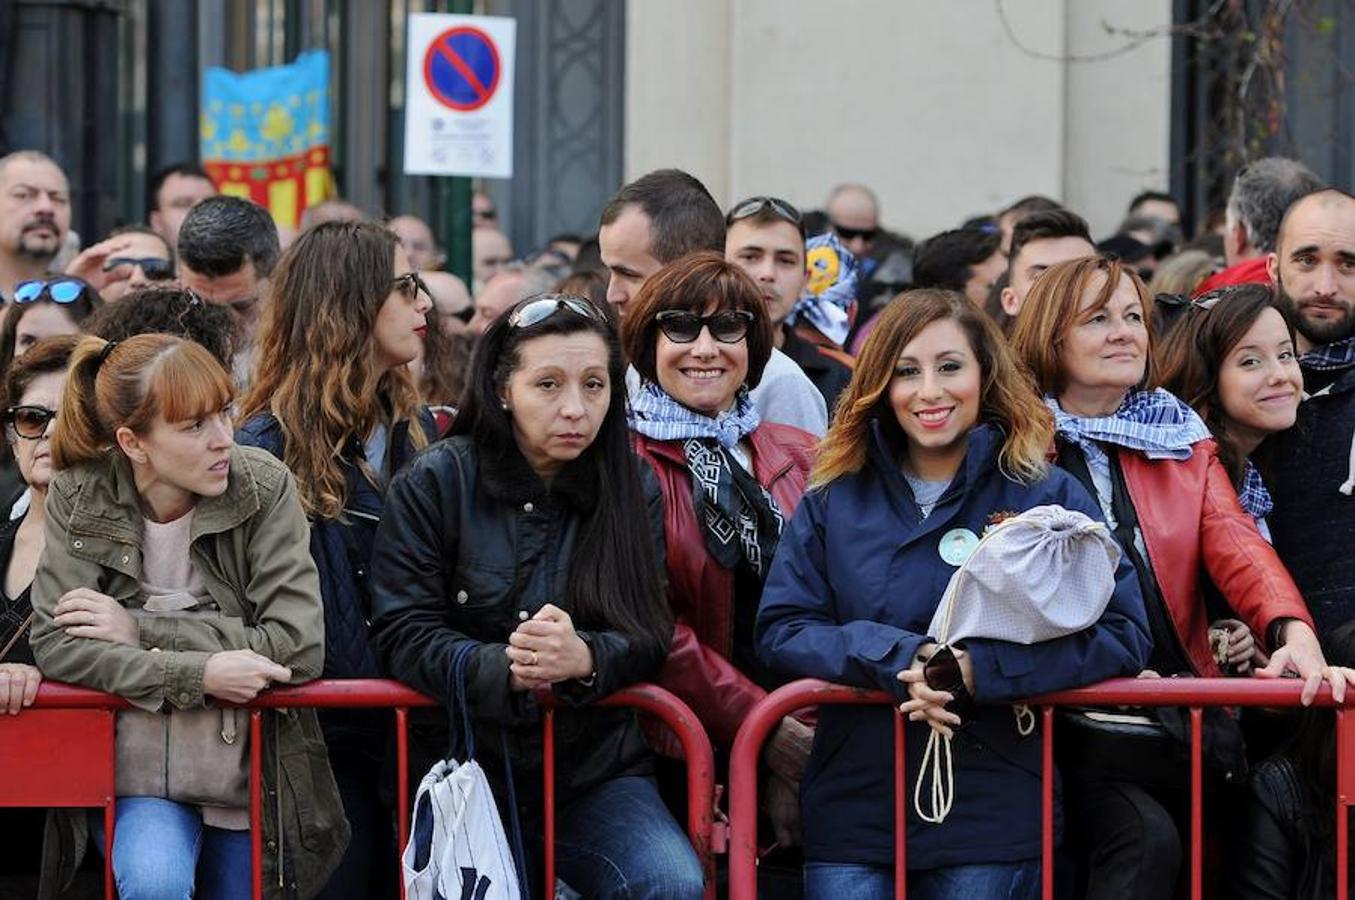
(251, 546)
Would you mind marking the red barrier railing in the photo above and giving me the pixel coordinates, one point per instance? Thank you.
(64, 745)
(1194, 693)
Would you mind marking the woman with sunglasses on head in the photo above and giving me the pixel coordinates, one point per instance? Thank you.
(699, 335)
(174, 573)
(331, 396)
(41, 308)
(528, 540)
(938, 437)
(1156, 472)
(45, 308)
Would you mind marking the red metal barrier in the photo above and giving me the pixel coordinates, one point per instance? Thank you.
(65, 745)
(1194, 693)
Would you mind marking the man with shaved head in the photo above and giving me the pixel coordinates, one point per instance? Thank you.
(1312, 465)
(35, 214)
(886, 258)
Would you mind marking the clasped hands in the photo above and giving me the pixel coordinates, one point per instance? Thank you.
(546, 649)
(928, 705)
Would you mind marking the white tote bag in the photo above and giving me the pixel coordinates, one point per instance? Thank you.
(457, 846)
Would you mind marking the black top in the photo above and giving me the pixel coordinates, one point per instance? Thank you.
(15, 612)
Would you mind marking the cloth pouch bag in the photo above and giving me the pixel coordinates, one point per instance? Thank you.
(1043, 574)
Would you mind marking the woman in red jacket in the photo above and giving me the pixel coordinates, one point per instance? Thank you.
(1150, 462)
(699, 337)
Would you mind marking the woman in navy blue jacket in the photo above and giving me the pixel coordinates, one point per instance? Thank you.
(938, 436)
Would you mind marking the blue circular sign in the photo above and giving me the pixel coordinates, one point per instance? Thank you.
(461, 68)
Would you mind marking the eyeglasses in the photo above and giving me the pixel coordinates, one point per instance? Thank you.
(848, 234)
(534, 312)
(410, 284)
(728, 326)
(29, 421)
(755, 205)
(154, 268)
(61, 290)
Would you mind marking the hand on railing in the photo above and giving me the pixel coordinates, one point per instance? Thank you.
(238, 676)
(1302, 654)
(18, 686)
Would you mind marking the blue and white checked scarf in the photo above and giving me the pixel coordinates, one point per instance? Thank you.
(1330, 357)
(739, 520)
(656, 415)
(1253, 494)
(1154, 423)
(831, 289)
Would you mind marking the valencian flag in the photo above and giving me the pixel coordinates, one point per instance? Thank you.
(265, 134)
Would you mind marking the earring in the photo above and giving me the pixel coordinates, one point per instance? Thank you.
(503, 404)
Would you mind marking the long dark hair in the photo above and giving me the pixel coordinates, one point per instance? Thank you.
(614, 579)
(1193, 355)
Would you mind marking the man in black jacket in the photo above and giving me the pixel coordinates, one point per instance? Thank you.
(1313, 477)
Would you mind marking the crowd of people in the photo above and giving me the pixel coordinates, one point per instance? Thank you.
(713, 450)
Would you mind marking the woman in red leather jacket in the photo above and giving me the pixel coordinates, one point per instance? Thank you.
(1150, 462)
(699, 337)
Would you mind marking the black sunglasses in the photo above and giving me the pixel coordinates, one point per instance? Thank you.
(848, 234)
(154, 268)
(728, 326)
(410, 284)
(29, 421)
(535, 311)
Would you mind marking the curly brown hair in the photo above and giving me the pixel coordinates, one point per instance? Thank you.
(315, 369)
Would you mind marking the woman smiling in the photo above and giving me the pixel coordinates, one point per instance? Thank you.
(699, 335)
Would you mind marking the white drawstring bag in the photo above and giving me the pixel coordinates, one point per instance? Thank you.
(457, 845)
(1043, 574)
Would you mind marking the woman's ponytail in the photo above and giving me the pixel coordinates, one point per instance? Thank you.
(80, 435)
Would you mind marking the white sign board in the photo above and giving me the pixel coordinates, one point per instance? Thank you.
(459, 95)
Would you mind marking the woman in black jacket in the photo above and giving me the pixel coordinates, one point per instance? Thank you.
(527, 535)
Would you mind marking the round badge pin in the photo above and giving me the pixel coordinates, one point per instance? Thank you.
(957, 544)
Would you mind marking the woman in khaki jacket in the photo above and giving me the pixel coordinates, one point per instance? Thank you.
(177, 571)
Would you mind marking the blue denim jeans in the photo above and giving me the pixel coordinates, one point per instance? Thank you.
(620, 841)
(161, 849)
(995, 881)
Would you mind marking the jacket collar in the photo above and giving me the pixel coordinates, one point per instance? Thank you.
(770, 459)
(507, 477)
(985, 443)
(108, 504)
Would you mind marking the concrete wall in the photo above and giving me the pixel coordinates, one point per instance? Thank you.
(941, 107)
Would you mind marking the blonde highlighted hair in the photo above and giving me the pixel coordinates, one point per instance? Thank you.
(128, 385)
(1007, 398)
(316, 368)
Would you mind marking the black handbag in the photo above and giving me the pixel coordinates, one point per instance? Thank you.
(1147, 746)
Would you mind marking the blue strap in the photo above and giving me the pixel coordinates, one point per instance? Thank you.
(519, 854)
(458, 703)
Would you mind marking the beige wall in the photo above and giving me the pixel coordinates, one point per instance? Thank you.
(930, 103)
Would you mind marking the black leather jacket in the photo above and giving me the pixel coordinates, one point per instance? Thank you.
(470, 545)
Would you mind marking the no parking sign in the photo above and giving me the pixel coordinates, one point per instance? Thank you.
(459, 95)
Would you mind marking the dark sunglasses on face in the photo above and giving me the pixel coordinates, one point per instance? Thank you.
(410, 284)
(728, 326)
(755, 205)
(29, 421)
(848, 234)
(154, 268)
(61, 290)
(534, 312)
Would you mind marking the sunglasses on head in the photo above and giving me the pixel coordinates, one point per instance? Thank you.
(29, 421)
(754, 205)
(848, 234)
(534, 312)
(61, 290)
(728, 326)
(154, 268)
(410, 284)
